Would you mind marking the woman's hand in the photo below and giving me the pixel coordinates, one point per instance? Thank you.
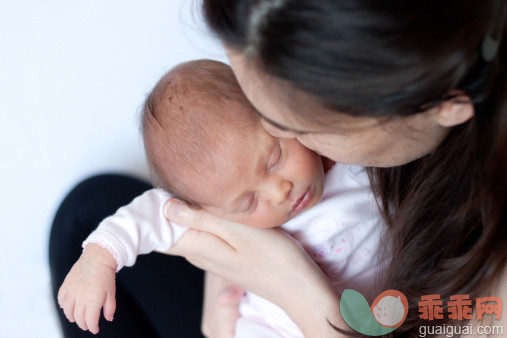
(220, 309)
(267, 262)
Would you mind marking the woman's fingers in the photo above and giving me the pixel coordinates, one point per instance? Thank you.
(178, 212)
(203, 250)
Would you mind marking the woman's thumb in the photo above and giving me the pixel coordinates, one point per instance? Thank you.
(172, 209)
(180, 213)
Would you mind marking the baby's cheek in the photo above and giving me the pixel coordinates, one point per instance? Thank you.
(258, 219)
(266, 218)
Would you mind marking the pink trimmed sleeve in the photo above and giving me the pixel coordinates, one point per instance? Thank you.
(137, 228)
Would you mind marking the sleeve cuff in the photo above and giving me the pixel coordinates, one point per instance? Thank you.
(109, 242)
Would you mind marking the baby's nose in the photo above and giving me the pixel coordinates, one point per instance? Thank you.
(278, 190)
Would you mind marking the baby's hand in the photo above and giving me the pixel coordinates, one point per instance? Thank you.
(89, 285)
(221, 307)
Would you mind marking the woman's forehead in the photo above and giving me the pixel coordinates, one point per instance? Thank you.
(288, 108)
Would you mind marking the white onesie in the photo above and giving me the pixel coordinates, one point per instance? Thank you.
(341, 233)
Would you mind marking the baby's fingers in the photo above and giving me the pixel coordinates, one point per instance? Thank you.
(198, 246)
(62, 293)
(68, 309)
(92, 314)
(110, 306)
(230, 296)
(79, 315)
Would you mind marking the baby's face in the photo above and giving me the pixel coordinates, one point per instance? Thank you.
(261, 181)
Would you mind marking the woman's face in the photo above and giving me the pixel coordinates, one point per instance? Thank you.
(343, 138)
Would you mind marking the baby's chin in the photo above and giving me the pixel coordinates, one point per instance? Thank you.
(268, 225)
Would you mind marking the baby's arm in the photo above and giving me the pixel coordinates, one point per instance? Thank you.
(137, 228)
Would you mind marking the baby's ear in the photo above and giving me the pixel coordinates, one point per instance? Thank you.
(455, 111)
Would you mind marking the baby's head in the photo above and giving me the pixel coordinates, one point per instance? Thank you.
(205, 144)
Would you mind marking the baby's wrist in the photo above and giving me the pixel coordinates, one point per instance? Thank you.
(96, 252)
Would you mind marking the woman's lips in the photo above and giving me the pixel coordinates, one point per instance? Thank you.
(303, 201)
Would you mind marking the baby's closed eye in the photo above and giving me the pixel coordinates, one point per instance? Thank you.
(250, 204)
(275, 159)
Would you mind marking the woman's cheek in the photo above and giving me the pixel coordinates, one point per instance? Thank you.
(331, 146)
(315, 143)
(303, 155)
(305, 141)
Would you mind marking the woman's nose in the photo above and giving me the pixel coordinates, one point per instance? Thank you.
(277, 190)
(276, 132)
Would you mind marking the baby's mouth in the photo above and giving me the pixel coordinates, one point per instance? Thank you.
(303, 201)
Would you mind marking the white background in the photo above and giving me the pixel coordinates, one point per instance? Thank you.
(73, 76)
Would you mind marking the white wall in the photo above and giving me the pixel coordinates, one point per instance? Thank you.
(73, 75)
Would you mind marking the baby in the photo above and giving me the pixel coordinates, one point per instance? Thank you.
(205, 145)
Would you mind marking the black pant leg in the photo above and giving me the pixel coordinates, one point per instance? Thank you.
(170, 291)
(161, 296)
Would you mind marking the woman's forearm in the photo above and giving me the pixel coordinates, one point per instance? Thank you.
(311, 302)
(314, 312)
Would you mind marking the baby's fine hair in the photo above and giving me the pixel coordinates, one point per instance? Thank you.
(193, 111)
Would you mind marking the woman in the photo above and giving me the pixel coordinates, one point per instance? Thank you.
(416, 90)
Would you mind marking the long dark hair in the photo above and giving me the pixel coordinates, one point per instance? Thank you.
(446, 212)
